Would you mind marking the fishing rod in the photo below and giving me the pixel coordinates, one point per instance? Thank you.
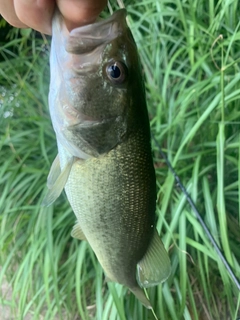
(198, 216)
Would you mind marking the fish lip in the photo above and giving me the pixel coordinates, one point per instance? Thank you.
(81, 49)
(118, 16)
(86, 39)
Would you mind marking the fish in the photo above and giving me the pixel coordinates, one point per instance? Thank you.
(99, 114)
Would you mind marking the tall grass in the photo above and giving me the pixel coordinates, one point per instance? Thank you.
(190, 56)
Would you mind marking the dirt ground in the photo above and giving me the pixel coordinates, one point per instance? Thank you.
(6, 295)
(5, 301)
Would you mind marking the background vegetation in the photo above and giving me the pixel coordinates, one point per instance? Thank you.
(190, 56)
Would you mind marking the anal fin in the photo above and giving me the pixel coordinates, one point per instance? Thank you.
(155, 267)
(77, 232)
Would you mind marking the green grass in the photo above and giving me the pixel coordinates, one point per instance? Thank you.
(192, 80)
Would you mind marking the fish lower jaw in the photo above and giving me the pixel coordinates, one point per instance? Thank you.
(89, 122)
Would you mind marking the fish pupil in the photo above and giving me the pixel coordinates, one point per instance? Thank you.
(114, 71)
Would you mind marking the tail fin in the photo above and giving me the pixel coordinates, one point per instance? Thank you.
(138, 292)
(154, 268)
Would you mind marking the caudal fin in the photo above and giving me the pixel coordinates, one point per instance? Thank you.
(138, 292)
(154, 268)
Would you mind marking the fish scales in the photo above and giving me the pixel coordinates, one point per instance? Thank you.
(98, 110)
(118, 220)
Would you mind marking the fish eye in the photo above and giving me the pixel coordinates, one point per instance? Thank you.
(116, 71)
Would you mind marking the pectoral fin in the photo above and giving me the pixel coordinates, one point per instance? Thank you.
(77, 232)
(59, 183)
(154, 267)
(54, 172)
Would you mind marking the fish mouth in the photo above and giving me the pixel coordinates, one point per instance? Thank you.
(81, 49)
(75, 118)
(87, 38)
(88, 123)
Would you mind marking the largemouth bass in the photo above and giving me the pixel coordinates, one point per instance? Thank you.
(99, 114)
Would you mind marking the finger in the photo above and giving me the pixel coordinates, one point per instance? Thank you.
(7, 10)
(80, 12)
(35, 14)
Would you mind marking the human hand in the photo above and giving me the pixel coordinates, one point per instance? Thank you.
(37, 14)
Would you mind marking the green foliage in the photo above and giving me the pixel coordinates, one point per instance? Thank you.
(190, 57)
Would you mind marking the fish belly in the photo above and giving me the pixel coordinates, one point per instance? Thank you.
(113, 198)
